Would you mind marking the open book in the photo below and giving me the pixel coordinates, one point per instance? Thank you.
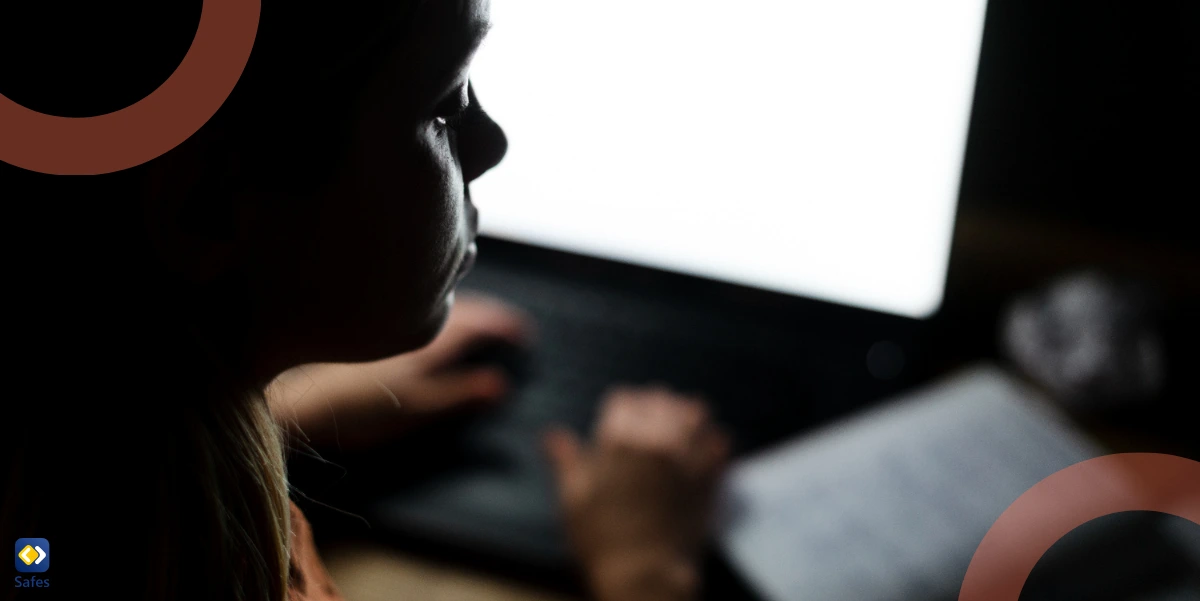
(892, 503)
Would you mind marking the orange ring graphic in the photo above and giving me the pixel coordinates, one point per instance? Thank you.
(151, 126)
(1068, 499)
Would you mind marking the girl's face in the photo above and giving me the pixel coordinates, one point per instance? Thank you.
(368, 268)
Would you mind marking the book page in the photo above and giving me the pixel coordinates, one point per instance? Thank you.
(892, 503)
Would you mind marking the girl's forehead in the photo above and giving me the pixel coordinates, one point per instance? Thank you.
(454, 16)
(446, 34)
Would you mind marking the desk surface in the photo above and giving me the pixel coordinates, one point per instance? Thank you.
(371, 573)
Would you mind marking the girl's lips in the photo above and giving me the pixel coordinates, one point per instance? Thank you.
(472, 219)
(468, 260)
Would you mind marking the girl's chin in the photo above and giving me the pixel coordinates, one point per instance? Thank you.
(438, 315)
(409, 335)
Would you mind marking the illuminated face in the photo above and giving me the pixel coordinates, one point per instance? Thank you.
(368, 268)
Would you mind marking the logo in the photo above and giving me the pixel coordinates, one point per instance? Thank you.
(150, 127)
(1068, 499)
(33, 555)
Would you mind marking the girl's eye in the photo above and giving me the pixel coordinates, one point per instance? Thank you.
(450, 121)
(451, 112)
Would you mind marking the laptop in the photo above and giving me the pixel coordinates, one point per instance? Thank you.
(749, 201)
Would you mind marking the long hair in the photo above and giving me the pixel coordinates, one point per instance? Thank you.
(131, 438)
(136, 452)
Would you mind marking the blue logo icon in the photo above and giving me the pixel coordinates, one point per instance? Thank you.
(33, 555)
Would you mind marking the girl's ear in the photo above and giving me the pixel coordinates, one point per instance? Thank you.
(192, 211)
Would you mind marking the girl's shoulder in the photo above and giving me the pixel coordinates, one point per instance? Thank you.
(307, 577)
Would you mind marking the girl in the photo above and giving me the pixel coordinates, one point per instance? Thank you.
(323, 215)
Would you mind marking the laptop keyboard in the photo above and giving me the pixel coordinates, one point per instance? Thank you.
(495, 492)
(762, 387)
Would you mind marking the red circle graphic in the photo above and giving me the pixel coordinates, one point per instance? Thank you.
(150, 127)
(1068, 499)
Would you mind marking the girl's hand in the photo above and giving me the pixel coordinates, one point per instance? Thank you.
(637, 498)
(354, 405)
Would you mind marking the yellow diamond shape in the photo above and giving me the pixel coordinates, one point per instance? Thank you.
(27, 555)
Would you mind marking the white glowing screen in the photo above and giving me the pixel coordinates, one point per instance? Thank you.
(802, 146)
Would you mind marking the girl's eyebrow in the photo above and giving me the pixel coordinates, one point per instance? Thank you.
(464, 47)
(475, 33)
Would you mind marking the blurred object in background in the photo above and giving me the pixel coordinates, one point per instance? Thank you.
(1092, 340)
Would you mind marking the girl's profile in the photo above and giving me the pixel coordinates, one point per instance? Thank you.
(323, 216)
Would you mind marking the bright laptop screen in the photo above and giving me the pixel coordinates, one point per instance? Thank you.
(811, 147)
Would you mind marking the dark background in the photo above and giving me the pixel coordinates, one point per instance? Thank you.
(1083, 154)
(1086, 111)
